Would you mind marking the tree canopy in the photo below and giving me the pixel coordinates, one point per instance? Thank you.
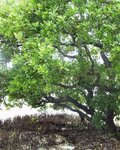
(65, 53)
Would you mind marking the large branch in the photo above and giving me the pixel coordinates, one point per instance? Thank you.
(70, 100)
(81, 114)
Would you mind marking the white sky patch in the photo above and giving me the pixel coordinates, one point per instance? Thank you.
(97, 57)
(9, 65)
(66, 38)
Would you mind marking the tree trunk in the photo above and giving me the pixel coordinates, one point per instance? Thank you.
(110, 123)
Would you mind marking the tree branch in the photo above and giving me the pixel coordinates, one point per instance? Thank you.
(68, 44)
(71, 87)
(89, 55)
(68, 99)
(67, 86)
(63, 54)
(105, 59)
(103, 56)
(109, 89)
(96, 44)
(81, 114)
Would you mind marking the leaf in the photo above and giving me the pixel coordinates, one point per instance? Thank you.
(19, 35)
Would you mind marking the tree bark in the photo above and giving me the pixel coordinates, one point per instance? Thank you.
(110, 123)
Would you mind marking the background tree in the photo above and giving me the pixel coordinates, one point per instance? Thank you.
(65, 53)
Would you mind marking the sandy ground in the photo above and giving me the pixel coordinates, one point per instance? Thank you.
(27, 110)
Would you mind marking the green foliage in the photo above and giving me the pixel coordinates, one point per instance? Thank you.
(98, 120)
(63, 48)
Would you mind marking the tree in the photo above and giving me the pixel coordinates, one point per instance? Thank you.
(65, 53)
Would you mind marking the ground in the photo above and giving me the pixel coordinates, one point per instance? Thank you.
(53, 132)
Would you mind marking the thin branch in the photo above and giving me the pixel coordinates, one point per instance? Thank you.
(65, 55)
(103, 56)
(67, 44)
(96, 44)
(66, 86)
(105, 59)
(71, 87)
(109, 89)
(89, 55)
